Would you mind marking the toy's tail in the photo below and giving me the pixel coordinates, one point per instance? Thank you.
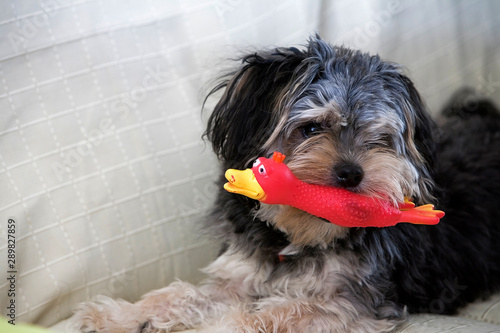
(421, 215)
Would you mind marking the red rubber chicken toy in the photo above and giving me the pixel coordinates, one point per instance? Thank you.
(271, 181)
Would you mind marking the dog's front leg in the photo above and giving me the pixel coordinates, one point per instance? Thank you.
(181, 306)
(176, 307)
(281, 314)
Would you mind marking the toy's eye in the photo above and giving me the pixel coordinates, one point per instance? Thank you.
(257, 162)
(262, 170)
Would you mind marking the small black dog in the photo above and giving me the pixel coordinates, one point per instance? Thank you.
(347, 119)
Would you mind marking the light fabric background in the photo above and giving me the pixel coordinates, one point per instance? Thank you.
(102, 166)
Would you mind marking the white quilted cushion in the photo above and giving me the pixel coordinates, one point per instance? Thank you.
(439, 324)
(487, 310)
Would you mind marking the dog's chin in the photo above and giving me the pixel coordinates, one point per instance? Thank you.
(301, 228)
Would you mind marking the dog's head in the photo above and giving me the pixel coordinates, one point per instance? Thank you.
(343, 118)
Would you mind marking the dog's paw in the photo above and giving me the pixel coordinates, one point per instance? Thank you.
(105, 315)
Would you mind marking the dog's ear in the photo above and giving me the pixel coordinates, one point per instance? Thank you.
(420, 143)
(424, 125)
(248, 110)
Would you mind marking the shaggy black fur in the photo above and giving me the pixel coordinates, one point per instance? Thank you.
(426, 268)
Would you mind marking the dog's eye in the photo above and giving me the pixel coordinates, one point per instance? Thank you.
(384, 141)
(311, 129)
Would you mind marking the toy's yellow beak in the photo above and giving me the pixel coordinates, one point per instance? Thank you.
(243, 182)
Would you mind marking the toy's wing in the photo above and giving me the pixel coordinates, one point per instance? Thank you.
(407, 204)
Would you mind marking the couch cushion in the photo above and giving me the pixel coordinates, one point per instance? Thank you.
(487, 310)
(427, 323)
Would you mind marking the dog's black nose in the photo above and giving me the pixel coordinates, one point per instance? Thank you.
(349, 175)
